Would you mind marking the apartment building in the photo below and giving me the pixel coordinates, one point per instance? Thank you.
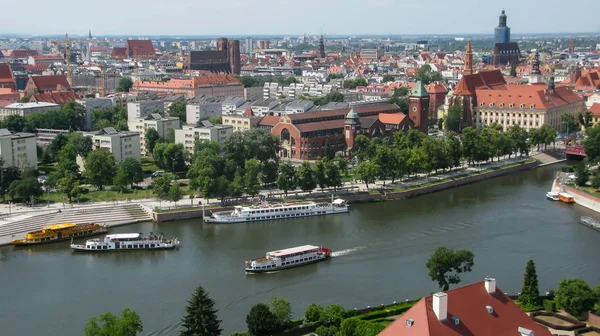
(122, 145)
(201, 108)
(144, 108)
(44, 136)
(231, 104)
(25, 109)
(18, 150)
(204, 131)
(156, 121)
(92, 104)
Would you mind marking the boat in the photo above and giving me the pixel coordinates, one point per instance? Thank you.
(126, 242)
(590, 222)
(269, 211)
(58, 232)
(288, 258)
(552, 195)
(567, 198)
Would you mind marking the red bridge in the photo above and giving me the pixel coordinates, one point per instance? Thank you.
(576, 150)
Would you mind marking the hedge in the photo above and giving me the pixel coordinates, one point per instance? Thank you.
(549, 305)
(388, 311)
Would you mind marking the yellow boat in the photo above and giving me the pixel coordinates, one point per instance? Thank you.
(58, 232)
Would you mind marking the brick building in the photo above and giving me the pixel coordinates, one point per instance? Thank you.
(218, 86)
(46, 84)
(225, 59)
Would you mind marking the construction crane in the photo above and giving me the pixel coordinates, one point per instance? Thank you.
(67, 43)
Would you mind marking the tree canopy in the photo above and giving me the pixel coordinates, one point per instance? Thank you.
(178, 110)
(128, 323)
(200, 316)
(282, 309)
(125, 83)
(445, 265)
(575, 296)
(261, 321)
(530, 295)
(592, 143)
(100, 168)
(427, 75)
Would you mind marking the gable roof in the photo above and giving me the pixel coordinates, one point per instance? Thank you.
(140, 48)
(50, 83)
(22, 53)
(118, 52)
(595, 109)
(6, 77)
(54, 97)
(539, 96)
(392, 118)
(484, 80)
(469, 304)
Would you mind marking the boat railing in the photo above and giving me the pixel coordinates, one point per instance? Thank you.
(590, 220)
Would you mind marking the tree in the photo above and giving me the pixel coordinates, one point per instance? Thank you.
(222, 187)
(445, 265)
(452, 121)
(201, 316)
(54, 147)
(592, 143)
(248, 81)
(125, 83)
(100, 167)
(161, 186)
(120, 181)
(568, 123)
(25, 189)
(319, 173)
(170, 138)
(327, 330)
(314, 312)
(175, 193)
(151, 137)
(368, 328)
(582, 174)
(401, 103)
(237, 185)
(282, 309)
(306, 177)
(575, 296)
(215, 120)
(170, 156)
(177, 110)
(334, 96)
(286, 177)
(261, 321)
(7, 176)
(513, 70)
(251, 178)
(73, 114)
(427, 75)
(387, 78)
(454, 148)
(332, 172)
(586, 120)
(530, 295)
(69, 185)
(14, 123)
(81, 143)
(367, 172)
(400, 92)
(334, 314)
(596, 180)
(128, 324)
(132, 170)
(348, 326)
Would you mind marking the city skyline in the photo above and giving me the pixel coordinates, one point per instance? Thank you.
(236, 17)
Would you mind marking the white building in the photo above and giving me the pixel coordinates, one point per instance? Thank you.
(230, 104)
(206, 131)
(142, 109)
(44, 136)
(18, 150)
(122, 144)
(92, 104)
(25, 109)
(201, 108)
(299, 106)
(156, 121)
(263, 106)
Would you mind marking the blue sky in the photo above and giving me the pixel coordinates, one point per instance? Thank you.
(243, 17)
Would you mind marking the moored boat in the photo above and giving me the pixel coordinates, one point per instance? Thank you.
(552, 195)
(59, 232)
(567, 198)
(288, 258)
(590, 222)
(126, 242)
(269, 211)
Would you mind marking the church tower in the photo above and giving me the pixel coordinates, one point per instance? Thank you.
(351, 129)
(469, 60)
(536, 74)
(322, 47)
(418, 104)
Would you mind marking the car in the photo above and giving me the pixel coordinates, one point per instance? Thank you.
(158, 173)
(42, 179)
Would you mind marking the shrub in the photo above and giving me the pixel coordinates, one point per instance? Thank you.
(391, 311)
(327, 330)
(549, 305)
(314, 312)
(567, 169)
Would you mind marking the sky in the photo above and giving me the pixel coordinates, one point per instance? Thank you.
(295, 17)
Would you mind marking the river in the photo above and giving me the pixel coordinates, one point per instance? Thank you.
(381, 250)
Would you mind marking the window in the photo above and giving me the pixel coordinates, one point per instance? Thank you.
(491, 104)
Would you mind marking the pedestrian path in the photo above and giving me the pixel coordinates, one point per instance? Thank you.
(110, 215)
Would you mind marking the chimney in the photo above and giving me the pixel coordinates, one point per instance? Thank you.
(525, 332)
(490, 285)
(440, 305)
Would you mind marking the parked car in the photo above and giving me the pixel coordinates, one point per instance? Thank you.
(157, 173)
(42, 179)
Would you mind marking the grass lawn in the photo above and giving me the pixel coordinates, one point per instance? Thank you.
(591, 333)
(590, 191)
(46, 169)
(148, 165)
(106, 195)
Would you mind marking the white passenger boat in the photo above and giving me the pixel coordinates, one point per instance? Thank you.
(552, 195)
(126, 242)
(268, 211)
(288, 258)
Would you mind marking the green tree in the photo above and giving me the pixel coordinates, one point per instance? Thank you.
(568, 123)
(120, 181)
(222, 187)
(54, 147)
(261, 321)
(269, 171)
(342, 162)
(161, 186)
(427, 75)
(132, 170)
(151, 138)
(453, 119)
(333, 174)
(596, 180)
(69, 185)
(306, 177)
(170, 156)
(445, 265)
(334, 314)
(73, 114)
(575, 296)
(368, 328)
(582, 174)
(327, 330)
(170, 138)
(200, 316)
(252, 177)
(82, 144)
(7, 176)
(348, 326)
(215, 120)
(100, 167)
(454, 148)
(175, 193)
(586, 119)
(286, 177)
(252, 144)
(248, 81)
(282, 309)
(237, 185)
(367, 172)
(530, 295)
(107, 324)
(387, 78)
(592, 143)
(400, 92)
(401, 103)
(314, 312)
(177, 110)
(25, 189)
(334, 96)
(319, 173)
(205, 170)
(518, 137)
(13, 122)
(125, 83)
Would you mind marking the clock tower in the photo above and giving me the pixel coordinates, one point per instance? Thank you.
(351, 129)
(418, 105)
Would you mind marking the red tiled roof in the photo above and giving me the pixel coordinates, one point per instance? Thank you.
(248, 112)
(38, 68)
(6, 77)
(320, 125)
(50, 83)
(47, 57)
(54, 97)
(392, 118)
(595, 109)
(215, 79)
(98, 48)
(269, 121)
(118, 52)
(382, 108)
(22, 53)
(469, 304)
(140, 48)
(484, 80)
(5, 102)
(539, 95)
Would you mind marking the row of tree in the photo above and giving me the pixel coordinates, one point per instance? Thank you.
(70, 116)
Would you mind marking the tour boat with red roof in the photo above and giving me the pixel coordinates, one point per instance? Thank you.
(288, 258)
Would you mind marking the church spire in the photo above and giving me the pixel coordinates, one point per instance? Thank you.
(535, 65)
(90, 34)
(469, 59)
(502, 19)
(322, 46)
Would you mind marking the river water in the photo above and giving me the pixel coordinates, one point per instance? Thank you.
(381, 250)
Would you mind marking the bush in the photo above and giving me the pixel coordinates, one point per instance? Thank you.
(549, 305)
(567, 169)
(390, 311)
(327, 330)
(314, 312)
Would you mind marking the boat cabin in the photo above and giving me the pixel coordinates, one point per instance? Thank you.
(567, 198)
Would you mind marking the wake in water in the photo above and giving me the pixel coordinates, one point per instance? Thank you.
(347, 251)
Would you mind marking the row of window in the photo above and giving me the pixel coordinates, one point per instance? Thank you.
(509, 114)
(511, 105)
(285, 216)
(279, 209)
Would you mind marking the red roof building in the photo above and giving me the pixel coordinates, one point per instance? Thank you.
(595, 110)
(22, 53)
(54, 97)
(214, 85)
(477, 309)
(118, 53)
(44, 84)
(6, 77)
(140, 49)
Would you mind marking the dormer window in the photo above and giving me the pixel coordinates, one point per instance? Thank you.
(522, 106)
(511, 105)
(491, 104)
(501, 105)
(481, 104)
(532, 106)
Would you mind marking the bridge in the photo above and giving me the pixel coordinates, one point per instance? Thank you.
(575, 151)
